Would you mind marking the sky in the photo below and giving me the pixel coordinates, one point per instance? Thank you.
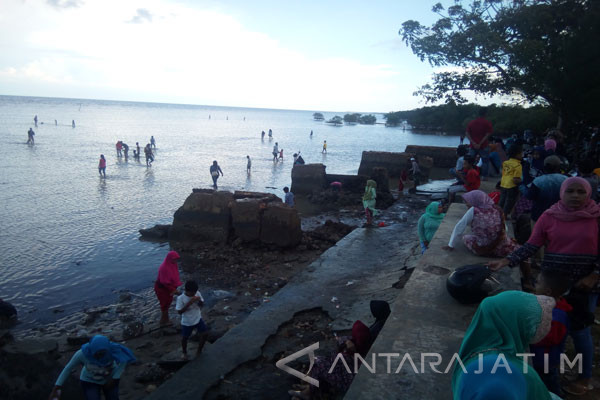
(332, 55)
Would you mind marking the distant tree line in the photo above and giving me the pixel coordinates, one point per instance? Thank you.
(348, 118)
(453, 118)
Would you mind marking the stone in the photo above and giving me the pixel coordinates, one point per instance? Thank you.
(205, 215)
(245, 218)
(132, 330)
(151, 373)
(32, 346)
(157, 232)
(125, 296)
(350, 183)
(308, 178)
(280, 225)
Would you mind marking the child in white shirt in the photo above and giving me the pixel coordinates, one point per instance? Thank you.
(188, 306)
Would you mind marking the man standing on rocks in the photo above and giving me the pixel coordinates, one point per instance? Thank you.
(214, 173)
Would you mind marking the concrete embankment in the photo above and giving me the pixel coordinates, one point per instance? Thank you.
(424, 319)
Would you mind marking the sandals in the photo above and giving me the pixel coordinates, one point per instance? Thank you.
(577, 389)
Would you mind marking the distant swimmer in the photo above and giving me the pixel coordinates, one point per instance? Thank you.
(311, 133)
(102, 166)
(214, 172)
(55, 123)
(227, 118)
(137, 147)
(324, 146)
(119, 147)
(149, 155)
(249, 165)
(262, 135)
(152, 142)
(35, 121)
(275, 151)
(208, 116)
(30, 135)
(244, 118)
(73, 122)
(270, 133)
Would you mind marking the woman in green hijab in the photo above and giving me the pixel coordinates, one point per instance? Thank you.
(503, 326)
(369, 200)
(429, 223)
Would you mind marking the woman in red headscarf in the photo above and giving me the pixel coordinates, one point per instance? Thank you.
(166, 284)
(569, 230)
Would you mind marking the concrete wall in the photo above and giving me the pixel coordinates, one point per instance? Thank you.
(395, 163)
(308, 178)
(443, 157)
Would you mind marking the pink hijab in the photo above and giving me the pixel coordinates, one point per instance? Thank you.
(168, 273)
(478, 199)
(550, 144)
(589, 210)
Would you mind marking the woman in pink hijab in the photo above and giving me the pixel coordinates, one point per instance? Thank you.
(166, 284)
(569, 230)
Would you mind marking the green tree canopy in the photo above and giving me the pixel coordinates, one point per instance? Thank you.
(318, 116)
(337, 120)
(352, 117)
(367, 119)
(545, 51)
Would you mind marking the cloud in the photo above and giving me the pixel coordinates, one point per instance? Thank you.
(142, 16)
(65, 3)
(186, 55)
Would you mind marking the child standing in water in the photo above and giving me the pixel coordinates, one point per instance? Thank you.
(102, 166)
(249, 165)
(324, 146)
(369, 199)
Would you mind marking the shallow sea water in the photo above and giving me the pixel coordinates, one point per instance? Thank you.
(69, 239)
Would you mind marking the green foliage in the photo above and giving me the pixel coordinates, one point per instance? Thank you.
(453, 118)
(367, 119)
(544, 51)
(318, 116)
(352, 117)
(337, 120)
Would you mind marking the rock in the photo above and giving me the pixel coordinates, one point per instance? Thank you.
(127, 317)
(151, 373)
(77, 340)
(29, 368)
(150, 388)
(133, 329)
(308, 178)
(264, 197)
(205, 215)
(8, 314)
(157, 232)
(32, 346)
(222, 294)
(125, 296)
(245, 218)
(280, 225)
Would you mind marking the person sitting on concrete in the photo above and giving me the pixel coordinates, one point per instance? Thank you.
(330, 372)
(569, 230)
(470, 177)
(488, 231)
(553, 344)
(103, 364)
(503, 326)
(369, 200)
(188, 305)
(289, 197)
(461, 152)
(429, 223)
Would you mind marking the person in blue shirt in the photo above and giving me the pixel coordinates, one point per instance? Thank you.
(103, 363)
(289, 197)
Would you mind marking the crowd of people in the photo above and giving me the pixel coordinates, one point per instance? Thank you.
(551, 201)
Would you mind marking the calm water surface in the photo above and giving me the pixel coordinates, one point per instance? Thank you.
(69, 239)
